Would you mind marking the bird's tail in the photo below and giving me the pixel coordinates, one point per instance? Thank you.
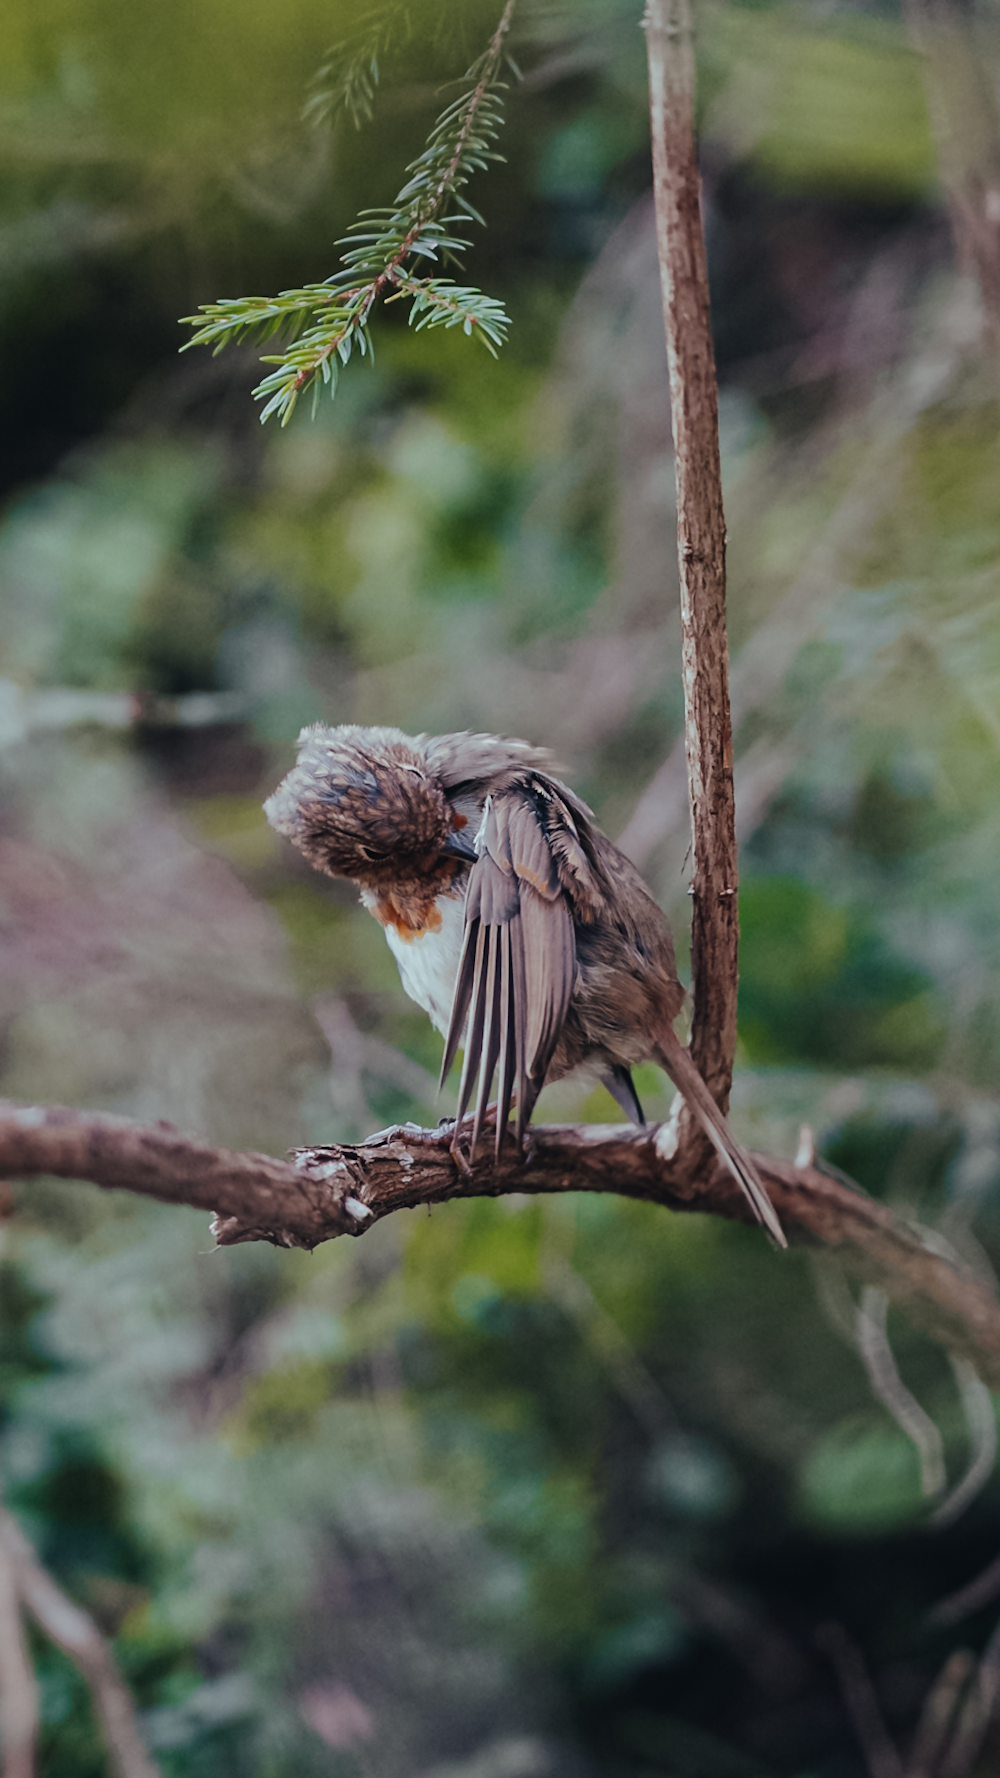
(676, 1060)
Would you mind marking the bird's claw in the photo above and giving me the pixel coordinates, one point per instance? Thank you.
(458, 1157)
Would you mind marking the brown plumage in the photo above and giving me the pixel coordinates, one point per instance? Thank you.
(528, 937)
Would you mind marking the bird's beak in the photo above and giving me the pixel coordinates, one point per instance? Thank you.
(459, 845)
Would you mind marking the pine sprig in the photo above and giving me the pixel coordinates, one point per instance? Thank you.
(324, 324)
(348, 78)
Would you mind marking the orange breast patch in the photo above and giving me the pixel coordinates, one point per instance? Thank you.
(410, 915)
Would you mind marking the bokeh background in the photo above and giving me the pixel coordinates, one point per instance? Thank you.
(520, 1489)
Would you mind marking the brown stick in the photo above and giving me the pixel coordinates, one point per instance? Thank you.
(977, 1712)
(966, 121)
(860, 1701)
(701, 541)
(345, 1190)
(937, 1714)
(65, 1624)
(18, 1691)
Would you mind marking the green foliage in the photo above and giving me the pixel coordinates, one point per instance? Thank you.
(836, 111)
(819, 983)
(862, 1478)
(542, 1484)
(325, 323)
(348, 79)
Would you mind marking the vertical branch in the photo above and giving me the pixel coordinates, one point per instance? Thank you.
(938, 1714)
(965, 117)
(65, 1624)
(701, 540)
(18, 1691)
(861, 1702)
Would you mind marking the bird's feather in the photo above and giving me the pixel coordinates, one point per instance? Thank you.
(518, 965)
(463, 760)
(677, 1061)
(621, 1086)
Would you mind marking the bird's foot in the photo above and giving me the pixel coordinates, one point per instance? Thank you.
(455, 1150)
(466, 1126)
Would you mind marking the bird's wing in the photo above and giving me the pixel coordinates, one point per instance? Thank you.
(518, 964)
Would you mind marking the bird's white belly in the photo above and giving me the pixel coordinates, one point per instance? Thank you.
(428, 965)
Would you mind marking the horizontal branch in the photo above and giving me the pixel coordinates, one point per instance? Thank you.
(326, 1192)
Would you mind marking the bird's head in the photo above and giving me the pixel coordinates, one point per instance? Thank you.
(363, 803)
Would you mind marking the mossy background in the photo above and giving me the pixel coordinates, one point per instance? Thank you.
(515, 1490)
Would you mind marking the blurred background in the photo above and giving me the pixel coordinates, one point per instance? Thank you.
(521, 1489)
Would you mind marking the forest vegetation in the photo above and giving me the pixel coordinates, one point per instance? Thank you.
(525, 1488)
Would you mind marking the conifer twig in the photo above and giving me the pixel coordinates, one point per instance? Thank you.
(324, 324)
(349, 76)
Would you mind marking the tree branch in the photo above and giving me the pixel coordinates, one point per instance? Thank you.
(966, 120)
(18, 1690)
(326, 1192)
(701, 541)
(70, 1628)
(861, 1703)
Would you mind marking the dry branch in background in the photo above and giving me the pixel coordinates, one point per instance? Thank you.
(798, 615)
(954, 1720)
(26, 1585)
(18, 1689)
(701, 541)
(860, 1701)
(335, 1191)
(966, 119)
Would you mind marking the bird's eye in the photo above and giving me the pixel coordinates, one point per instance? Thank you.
(370, 855)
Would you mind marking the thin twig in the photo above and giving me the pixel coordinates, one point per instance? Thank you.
(18, 1691)
(976, 1714)
(967, 1599)
(980, 1418)
(701, 540)
(771, 1658)
(872, 1337)
(966, 119)
(860, 1701)
(938, 1714)
(335, 1191)
(631, 1377)
(70, 1628)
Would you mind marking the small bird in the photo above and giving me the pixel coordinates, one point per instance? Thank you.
(528, 937)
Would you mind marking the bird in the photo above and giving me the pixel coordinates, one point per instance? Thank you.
(528, 937)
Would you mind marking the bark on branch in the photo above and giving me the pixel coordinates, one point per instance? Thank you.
(326, 1192)
(701, 541)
